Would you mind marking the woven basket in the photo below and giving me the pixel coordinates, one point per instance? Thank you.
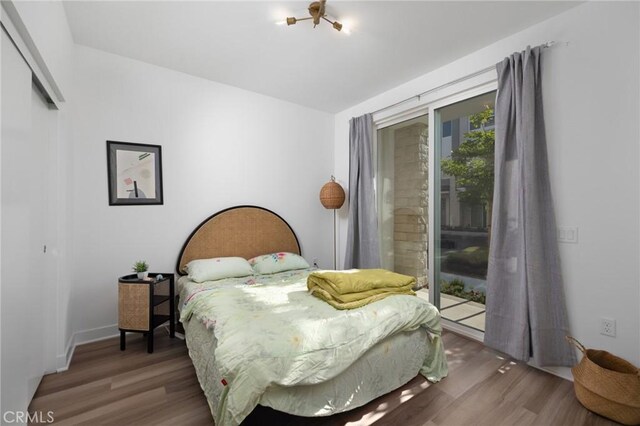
(607, 385)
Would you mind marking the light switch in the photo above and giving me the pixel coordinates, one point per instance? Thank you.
(568, 234)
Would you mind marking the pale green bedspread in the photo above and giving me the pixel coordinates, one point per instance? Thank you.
(271, 331)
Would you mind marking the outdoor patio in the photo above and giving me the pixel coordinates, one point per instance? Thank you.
(457, 309)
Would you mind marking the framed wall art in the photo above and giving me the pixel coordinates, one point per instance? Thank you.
(135, 173)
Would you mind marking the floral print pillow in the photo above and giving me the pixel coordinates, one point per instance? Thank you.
(277, 262)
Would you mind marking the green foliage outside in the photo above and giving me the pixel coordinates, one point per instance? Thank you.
(472, 163)
(455, 287)
(471, 261)
(472, 166)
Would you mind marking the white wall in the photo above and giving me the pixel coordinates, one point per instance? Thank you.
(221, 146)
(592, 107)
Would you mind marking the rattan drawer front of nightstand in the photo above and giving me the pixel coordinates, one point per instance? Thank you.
(133, 306)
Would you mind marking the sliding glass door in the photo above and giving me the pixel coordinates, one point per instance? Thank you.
(463, 194)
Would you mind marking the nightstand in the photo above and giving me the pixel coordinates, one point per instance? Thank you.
(143, 305)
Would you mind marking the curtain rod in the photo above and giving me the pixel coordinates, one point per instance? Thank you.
(456, 81)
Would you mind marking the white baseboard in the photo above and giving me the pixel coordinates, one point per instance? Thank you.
(82, 337)
(63, 360)
(562, 372)
(95, 334)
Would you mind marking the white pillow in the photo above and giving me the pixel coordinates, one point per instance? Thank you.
(277, 262)
(201, 270)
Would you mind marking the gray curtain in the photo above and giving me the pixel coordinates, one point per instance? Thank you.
(526, 313)
(362, 234)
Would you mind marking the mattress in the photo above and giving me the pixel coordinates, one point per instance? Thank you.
(265, 340)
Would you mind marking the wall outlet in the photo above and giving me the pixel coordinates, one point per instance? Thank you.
(608, 327)
(315, 262)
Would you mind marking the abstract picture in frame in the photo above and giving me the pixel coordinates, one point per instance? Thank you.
(135, 173)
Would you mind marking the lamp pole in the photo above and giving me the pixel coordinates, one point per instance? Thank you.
(332, 197)
(335, 254)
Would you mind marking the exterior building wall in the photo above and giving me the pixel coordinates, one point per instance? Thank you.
(410, 201)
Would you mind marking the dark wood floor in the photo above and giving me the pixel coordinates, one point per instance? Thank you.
(106, 386)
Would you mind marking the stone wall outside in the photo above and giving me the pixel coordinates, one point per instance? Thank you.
(411, 202)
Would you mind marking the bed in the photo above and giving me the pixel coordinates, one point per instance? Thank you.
(263, 339)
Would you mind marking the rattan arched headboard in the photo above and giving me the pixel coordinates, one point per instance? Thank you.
(243, 231)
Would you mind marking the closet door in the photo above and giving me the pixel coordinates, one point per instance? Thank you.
(23, 154)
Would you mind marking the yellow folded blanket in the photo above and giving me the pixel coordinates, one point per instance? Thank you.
(358, 287)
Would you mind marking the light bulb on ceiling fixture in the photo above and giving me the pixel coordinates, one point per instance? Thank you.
(347, 26)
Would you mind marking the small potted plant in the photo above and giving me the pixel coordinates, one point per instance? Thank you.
(142, 268)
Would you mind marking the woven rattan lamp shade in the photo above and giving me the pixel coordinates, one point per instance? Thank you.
(332, 195)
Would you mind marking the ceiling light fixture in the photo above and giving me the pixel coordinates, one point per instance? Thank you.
(317, 12)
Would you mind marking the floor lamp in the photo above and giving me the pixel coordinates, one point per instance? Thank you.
(332, 198)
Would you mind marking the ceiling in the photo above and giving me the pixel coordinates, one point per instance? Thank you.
(238, 42)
